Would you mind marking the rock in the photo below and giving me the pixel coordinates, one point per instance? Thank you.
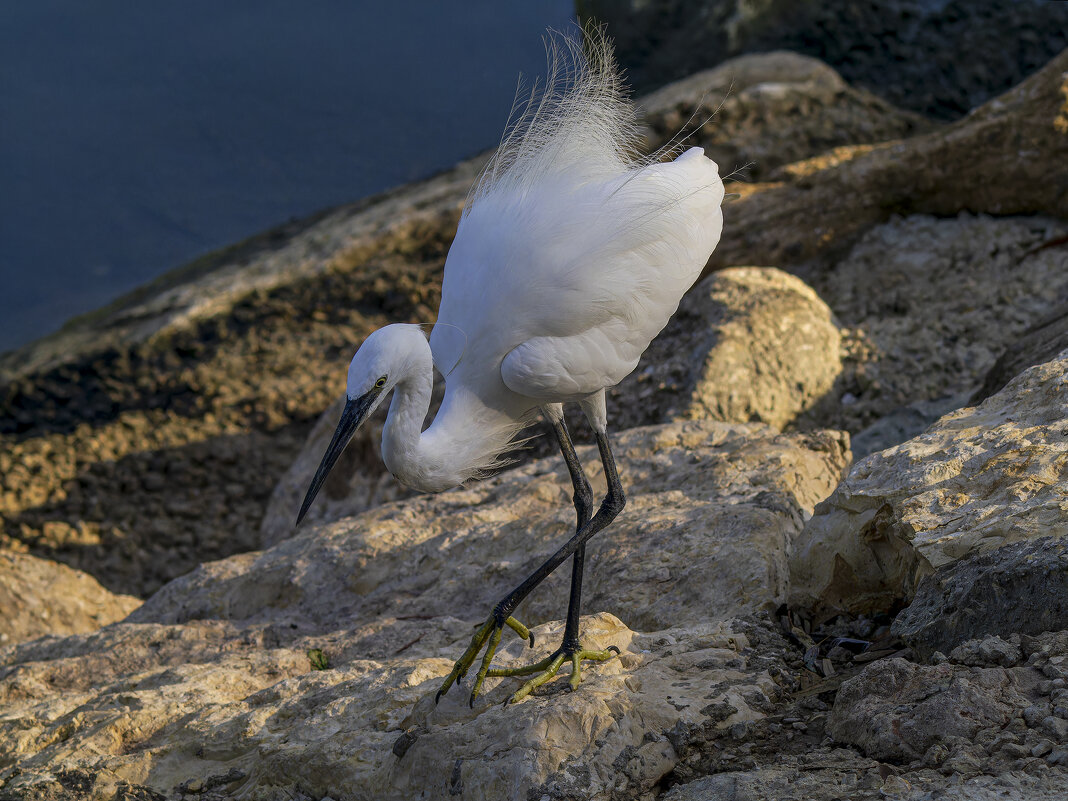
(978, 479)
(211, 681)
(1018, 588)
(975, 164)
(1039, 344)
(824, 777)
(755, 344)
(927, 306)
(38, 597)
(902, 424)
(896, 710)
(989, 651)
(727, 498)
(960, 720)
(255, 721)
(735, 111)
(903, 50)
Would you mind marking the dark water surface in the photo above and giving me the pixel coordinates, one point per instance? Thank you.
(135, 136)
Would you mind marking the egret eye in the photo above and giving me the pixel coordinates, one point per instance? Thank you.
(380, 382)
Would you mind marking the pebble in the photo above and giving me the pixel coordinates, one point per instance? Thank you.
(1042, 748)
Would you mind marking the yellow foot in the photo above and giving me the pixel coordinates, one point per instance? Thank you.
(491, 631)
(549, 667)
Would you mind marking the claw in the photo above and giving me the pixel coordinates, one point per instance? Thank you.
(550, 666)
(489, 631)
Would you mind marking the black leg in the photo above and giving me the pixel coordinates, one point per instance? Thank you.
(583, 499)
(611, 506)
(489, 633)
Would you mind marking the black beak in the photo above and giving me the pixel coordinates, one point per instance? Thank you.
(355, 411)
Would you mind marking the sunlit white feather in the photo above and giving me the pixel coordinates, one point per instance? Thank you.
(570, 257)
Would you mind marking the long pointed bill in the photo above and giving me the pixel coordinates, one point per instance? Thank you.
(355, 411)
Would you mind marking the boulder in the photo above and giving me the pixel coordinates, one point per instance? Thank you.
(736, 110)
(990, 708)
(208, 686)
(978, 164)
(705, 499)
(1020, 588)
(978, 479)
(39, 597)
(747, 344)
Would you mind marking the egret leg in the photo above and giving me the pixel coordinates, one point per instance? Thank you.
(570, 649)
(611, 506)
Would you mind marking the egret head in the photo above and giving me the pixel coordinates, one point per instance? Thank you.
(384, 359)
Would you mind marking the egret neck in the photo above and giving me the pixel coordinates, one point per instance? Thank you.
(462, 442)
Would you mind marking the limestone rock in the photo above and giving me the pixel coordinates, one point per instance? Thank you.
(866, 778)
(978, 479)
(249, 718)
(747, 344)
(38, 597)
(1019, 588)
(208, 685)
(1040, 343)
(732, 112)
(990, 708)
(711, 511)
(902, 424)
(927, 305)
(976, 164)
(896, 710)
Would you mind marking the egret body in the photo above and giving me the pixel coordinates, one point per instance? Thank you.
(570, 256)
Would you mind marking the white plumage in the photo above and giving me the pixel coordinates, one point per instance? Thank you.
(571, 255)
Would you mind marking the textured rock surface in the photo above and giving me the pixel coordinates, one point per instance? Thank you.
(1040, 343)
(941, 58)
(978, 479)
(1020, 588)
(39, 597)
(842, 774)
(711, 510)
(209, 681)
(927, 306)
(748, 344)
(732, 111)
(978, 164)
(992, 707)
(901, 424)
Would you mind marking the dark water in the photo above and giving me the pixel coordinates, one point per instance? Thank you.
(135, 136)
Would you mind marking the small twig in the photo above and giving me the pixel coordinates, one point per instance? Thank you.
(409, 645)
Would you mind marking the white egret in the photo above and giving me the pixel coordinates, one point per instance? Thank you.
(570, 256)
